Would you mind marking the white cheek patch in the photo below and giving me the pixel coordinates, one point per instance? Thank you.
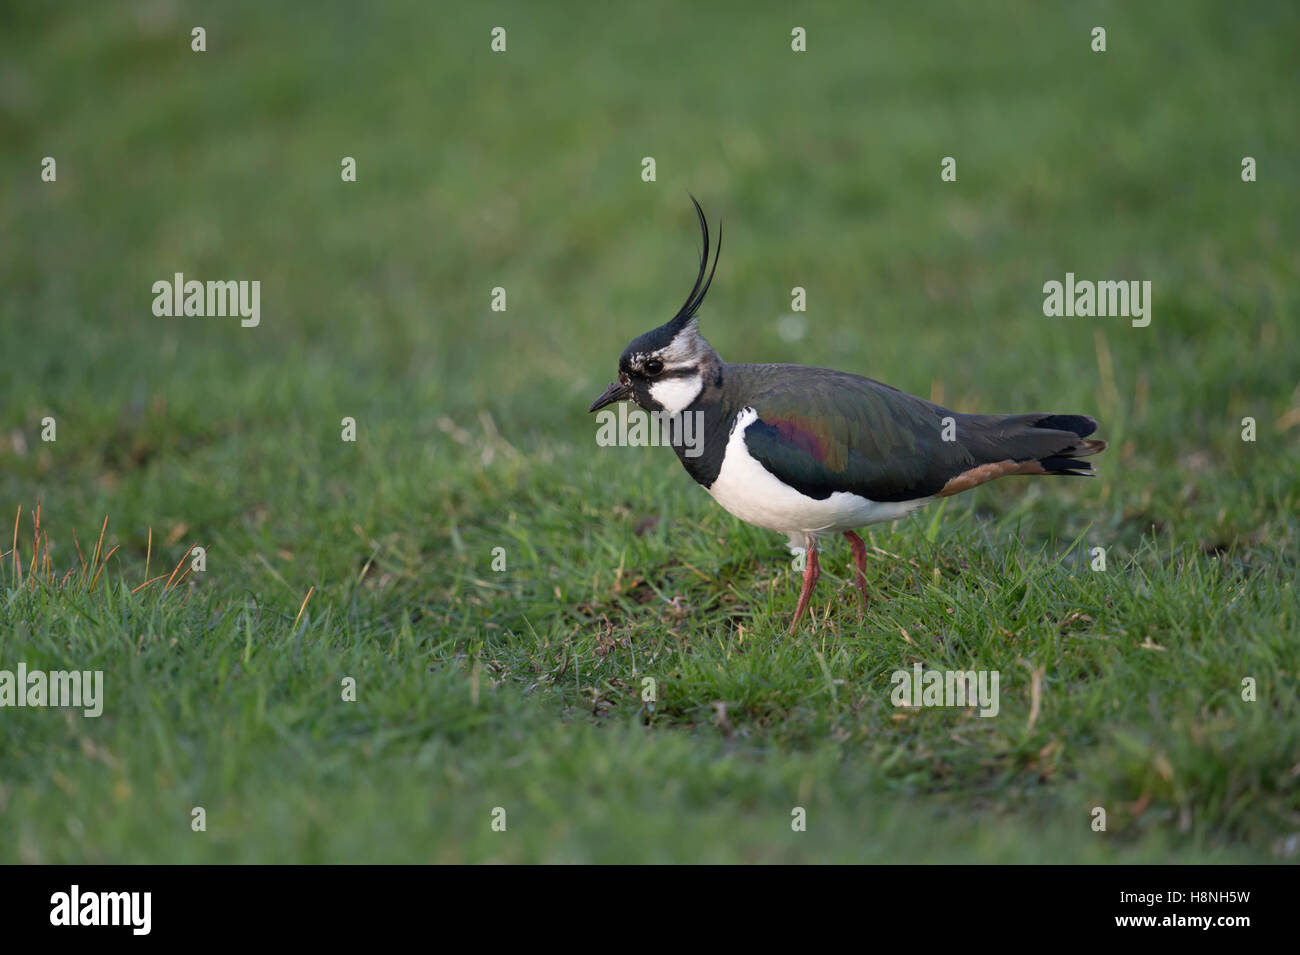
(676, 394)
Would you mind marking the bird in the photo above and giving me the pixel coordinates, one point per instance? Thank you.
(811, 452)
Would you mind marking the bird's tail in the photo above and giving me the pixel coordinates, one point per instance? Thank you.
(1036, 443)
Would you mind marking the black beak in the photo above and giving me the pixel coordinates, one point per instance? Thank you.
(617, 391)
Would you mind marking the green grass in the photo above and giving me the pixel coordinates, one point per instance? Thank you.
(522, 689)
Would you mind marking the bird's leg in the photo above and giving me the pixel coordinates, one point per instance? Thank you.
(859, 558)
(810, 575)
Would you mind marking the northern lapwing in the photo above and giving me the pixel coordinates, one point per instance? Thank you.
(812, 452)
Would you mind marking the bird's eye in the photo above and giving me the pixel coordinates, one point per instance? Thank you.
(653, 367)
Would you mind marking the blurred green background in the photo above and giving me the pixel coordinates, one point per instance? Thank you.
(522, 170)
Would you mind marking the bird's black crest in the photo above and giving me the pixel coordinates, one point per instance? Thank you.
(660, 337)
(701, 286)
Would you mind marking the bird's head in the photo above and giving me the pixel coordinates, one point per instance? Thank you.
(667, 368)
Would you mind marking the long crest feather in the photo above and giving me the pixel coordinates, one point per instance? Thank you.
(701, 286)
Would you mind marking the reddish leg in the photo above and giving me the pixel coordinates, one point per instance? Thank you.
(859, 558)
(810, 575)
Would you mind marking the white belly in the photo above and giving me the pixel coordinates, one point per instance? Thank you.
(749, 491)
